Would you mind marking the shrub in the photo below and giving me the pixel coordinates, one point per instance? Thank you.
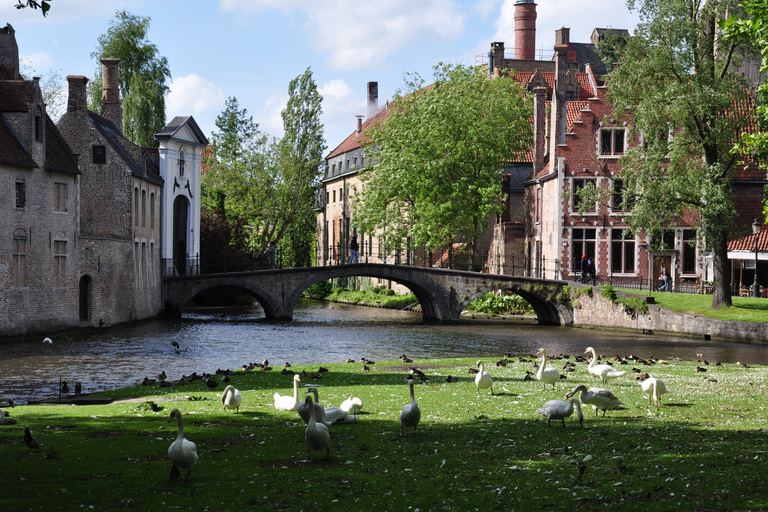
(319, 290)
(386, 291)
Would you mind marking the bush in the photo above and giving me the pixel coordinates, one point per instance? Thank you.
(386, 291)
(319, 290)
(492, 304)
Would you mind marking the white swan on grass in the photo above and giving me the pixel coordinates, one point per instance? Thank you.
(654, 388)
(303, 408)
(411, 414)
(287, 402)
(604, 371)
(559, 410)
(483, 379)
(352, 405)
(182, 452)
(316, 434)
(231, 398)
(5, 420)
(599, 398)
(326, 415)
(546, 375)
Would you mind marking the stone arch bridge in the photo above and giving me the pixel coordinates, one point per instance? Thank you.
(442, 293)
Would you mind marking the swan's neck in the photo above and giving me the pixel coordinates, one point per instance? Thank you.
(295, 389)
(594, 359)
(543, 360)
(181, 427)
(317, 398)
(413, 397)
(482, 368)
(654, 391)
(312, 418)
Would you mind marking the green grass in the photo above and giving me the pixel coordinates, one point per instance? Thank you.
(703, 449)
(744, 309)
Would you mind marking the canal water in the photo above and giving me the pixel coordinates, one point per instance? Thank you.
(218, 338)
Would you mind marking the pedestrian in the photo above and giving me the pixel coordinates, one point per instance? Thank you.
(664, 278)
(592, 272)
(353, 247)
(584, 268)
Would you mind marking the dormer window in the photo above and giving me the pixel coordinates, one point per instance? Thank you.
(182, 163)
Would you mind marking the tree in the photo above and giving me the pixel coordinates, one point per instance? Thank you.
(43, 5)
(438, 156)
(143, 76)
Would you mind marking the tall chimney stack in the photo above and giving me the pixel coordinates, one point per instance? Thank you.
(525, 30)
(9, 51)
(373, 98)
(111, 108)
(78, 99)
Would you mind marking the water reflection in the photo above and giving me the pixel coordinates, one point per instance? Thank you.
(320, 333)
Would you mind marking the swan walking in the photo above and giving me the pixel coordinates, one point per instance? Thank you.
(483, 379)
(287, 402)
(316, 433)
(546, 375)
(604, 371)
(654, 388)
(353, 405)
(231, 398)
(559, 410)
(182, 452)
(411, 414)
(599, 398)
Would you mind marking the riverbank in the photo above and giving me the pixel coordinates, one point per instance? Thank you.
(699, 450)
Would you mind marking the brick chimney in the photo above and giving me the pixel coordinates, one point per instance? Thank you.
(525, 30)
(111, 108)
(78, 98)
(373, 98)
(539, 127)
(9, 51)
(559, 113)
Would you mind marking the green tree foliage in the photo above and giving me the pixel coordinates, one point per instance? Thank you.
(43, 5)
(675, 87)
(143, 76)
(438, 156)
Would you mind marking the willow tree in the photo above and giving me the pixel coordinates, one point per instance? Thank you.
(676, 88)
(438, 157)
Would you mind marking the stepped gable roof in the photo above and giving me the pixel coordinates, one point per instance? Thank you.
(16, 95)
(141, 165)
(58, 156)
(355, 139)
(12, 151)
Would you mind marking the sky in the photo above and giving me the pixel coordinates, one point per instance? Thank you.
(252, 49)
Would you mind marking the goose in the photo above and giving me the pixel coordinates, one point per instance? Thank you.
(483, 379)
(559, 410)
(182, 452)
(604, 371)
(287, 402)
(31, 441)
(352, 405)
(231, 398)
(411, 414)
(597, 397)
(4, 420)
(654, 387)
(316, 434)
(546, 375)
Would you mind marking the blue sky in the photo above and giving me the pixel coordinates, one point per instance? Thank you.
(251, 49)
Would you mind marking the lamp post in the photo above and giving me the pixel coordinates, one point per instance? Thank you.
(756, 232)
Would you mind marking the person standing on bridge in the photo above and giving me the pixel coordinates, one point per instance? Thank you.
(353, 247)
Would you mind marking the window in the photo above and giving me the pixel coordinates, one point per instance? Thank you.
(689, 251)
(152, 210)
(136, 206)
(334, 196)
(622, 251)
(538, 204)
(667, 240)
(618, 197)
(60, 197)
(355, 162)
(612, 142)
(38, 126)
(580, 195)
(59, 263)
(347, 162)
(21, 195)
(333, 170)
(182, 163)
(583, 241)
(19, 261)
(143, 208)
(327, 197)
(99, 154)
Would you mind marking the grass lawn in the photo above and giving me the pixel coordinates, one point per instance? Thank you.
(703, 449)
(744, 309)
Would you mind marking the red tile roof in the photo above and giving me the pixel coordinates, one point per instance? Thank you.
(587, 89)
(355, 140)
(747, 243)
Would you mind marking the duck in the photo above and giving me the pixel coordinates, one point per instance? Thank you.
(31, 441)
(654, 387)
(483, 379)
(5, 420)
(64, 387)
(231, 398)
(316, 434)
(404, 358)
(352, 405)
(598, 398)
(162, 376)
(559, 410)
(546, 375)
(411, 414)
(288, 403)
(182, 452)
(604, 371)
(451, 378)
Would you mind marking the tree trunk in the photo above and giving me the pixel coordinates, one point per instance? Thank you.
(721, 289)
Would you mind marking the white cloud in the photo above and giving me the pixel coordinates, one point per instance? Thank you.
(193, 95)
(336, 89)
(37, 60)
(269, 118)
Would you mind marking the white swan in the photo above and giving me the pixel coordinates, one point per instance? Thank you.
(559, 410)
(303, 408)
(316, 434)
(604, 371)
(654, 388)
(598, 398)
(330, 415)
(546, 375)
(4, 420)
(352, 405)
(287, 402)
(182, 452)
(483, 379)
(47, 340)
(411, 414)
(231, 398)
